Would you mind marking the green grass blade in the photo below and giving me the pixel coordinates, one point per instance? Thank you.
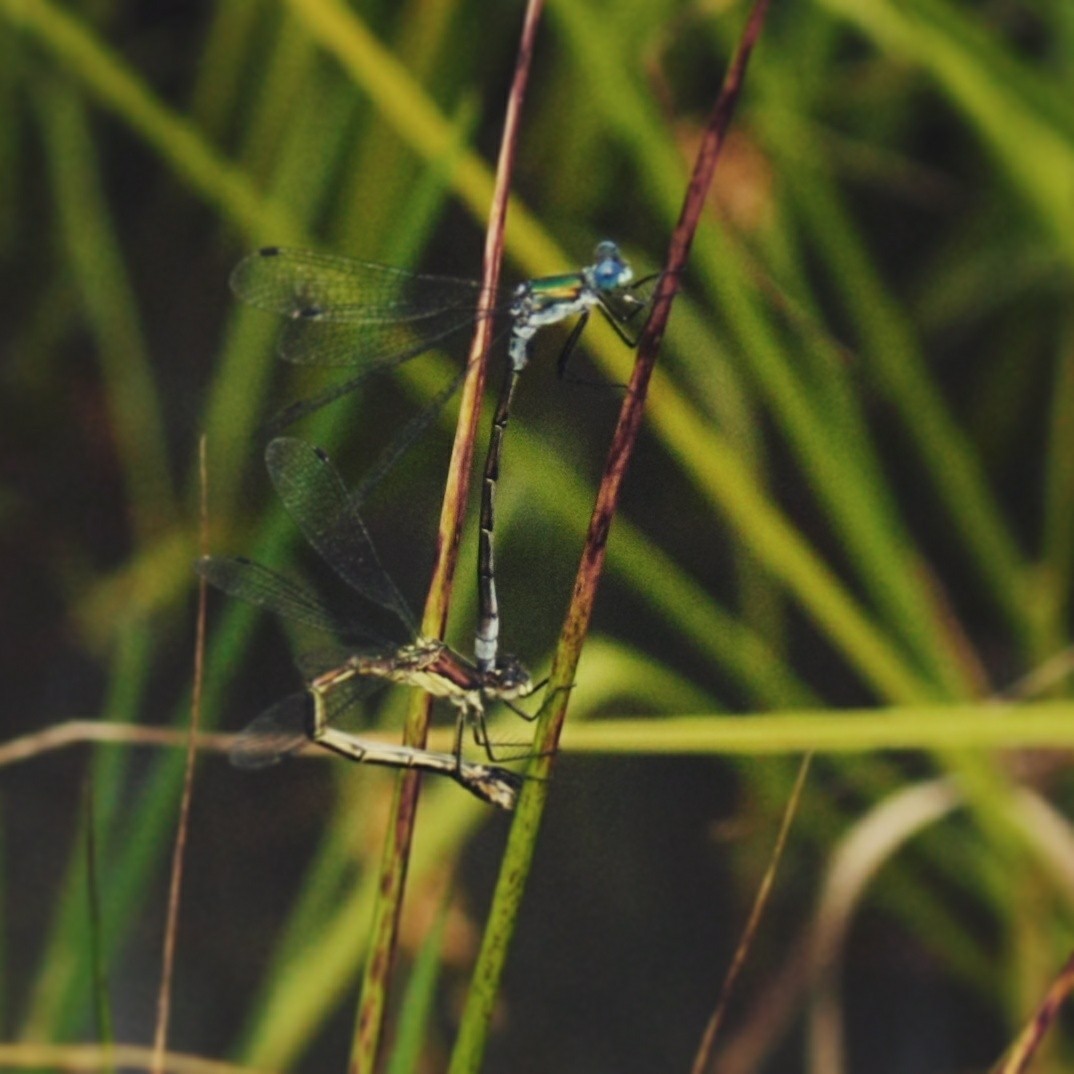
(416, 1008)
(135, 408)
(1028, 126)
(116, 87)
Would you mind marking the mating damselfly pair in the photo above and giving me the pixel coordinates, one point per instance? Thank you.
(343, 312)
(359, 660)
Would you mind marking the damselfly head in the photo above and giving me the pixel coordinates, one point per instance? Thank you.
(497, 786)
(508, 679)
(609, 269)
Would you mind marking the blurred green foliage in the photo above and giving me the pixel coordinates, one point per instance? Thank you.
(855, 488)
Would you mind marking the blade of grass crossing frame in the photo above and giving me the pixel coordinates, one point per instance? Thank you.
(133, 403)
(416, 1009)
(102, 1003)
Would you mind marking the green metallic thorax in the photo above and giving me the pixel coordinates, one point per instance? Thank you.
(550, 290)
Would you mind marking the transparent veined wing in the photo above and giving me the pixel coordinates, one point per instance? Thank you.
(277, 732)
(316, 498)
(274, 592)
(345, 312)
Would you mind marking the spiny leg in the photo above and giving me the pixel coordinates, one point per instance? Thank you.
(568, 347)
(620, 318)
(499, 751)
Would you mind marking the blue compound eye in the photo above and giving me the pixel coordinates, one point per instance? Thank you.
(609, 268)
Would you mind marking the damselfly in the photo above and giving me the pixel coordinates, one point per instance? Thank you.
(343, 312)
(327, 514)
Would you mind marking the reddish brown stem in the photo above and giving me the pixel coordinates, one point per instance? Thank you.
(396, 856)
(484, 987)
(580, 612)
